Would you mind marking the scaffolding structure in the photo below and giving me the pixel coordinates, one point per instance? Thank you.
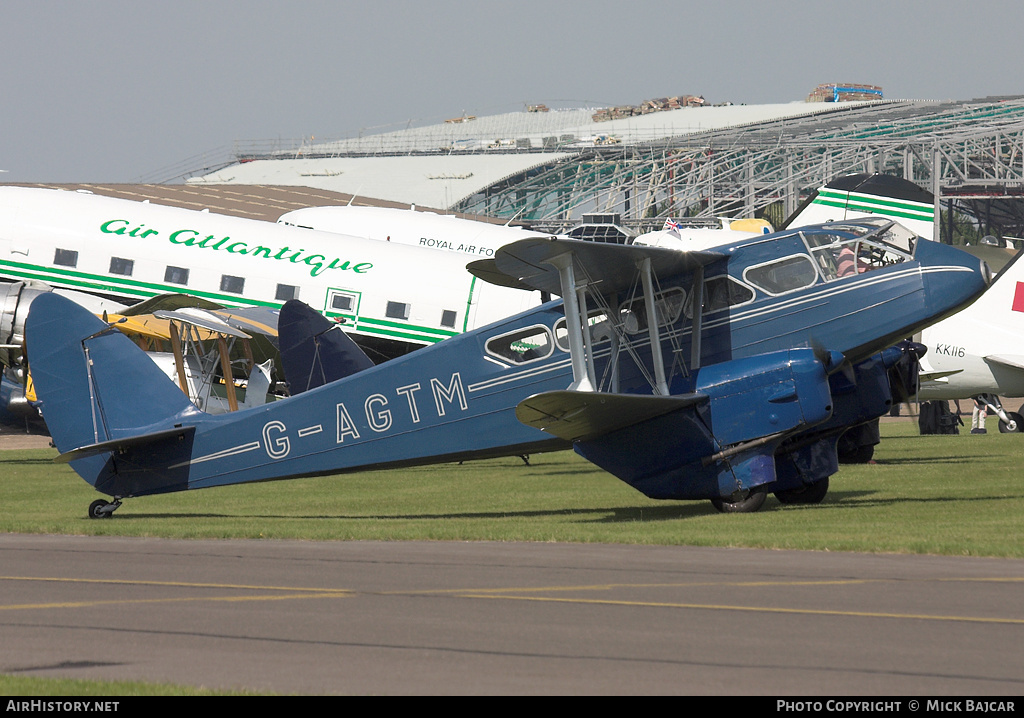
(970, 155)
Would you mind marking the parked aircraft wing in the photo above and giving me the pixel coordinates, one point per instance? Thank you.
(202, 319)
(575, 415)
(612, 266)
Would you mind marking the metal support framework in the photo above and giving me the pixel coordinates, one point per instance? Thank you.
(968, 152)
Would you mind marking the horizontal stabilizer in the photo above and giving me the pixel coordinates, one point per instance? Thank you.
(124, 443)
(488, 271)
(936, 375)
(577, 415)
(1009, 361)
(612, 266)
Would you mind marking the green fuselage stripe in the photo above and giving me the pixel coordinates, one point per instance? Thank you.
(126, 287)
(877, 205)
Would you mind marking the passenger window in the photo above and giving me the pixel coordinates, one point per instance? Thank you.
(286, 292)
(121, 266)
(235, 285)
(448, 317)
(342, 302)
(669, 305)
(522, 345)
(600, 330)
(66, 258)
(721, 293)
(397, 310)
(783, 275)
(176, 275)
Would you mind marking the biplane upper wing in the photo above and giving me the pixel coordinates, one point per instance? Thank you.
(576, 416)
(534, 262)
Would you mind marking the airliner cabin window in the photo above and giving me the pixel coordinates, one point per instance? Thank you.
(783, 275)
(448, 318)
(176, 275)
(66, 258)
(235, 285)
(121, 266)
(522, 345)
(286, 292)
(397, 310)
(343, 302)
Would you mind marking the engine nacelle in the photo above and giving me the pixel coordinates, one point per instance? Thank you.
(15, 299)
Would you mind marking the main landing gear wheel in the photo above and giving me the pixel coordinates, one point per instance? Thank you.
(810, 494)
(742, 502)
(1015, 426)
(858, 455)
(103, 509)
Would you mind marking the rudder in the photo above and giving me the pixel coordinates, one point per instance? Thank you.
(93, 383)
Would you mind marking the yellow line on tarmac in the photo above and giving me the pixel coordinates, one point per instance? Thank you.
(179, 584)
(750, 609)
(115, 602)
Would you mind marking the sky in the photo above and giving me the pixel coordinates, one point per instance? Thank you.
(111, 91)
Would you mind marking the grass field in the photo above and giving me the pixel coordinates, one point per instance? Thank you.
(958, 495)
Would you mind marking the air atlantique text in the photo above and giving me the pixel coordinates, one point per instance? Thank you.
(317, 263)
(928, 706)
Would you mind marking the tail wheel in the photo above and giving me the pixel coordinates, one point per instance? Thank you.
(103, 509)
(742, 502)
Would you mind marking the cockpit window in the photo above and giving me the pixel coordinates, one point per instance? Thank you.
(522, 345)
(782, 275)
(853, 249)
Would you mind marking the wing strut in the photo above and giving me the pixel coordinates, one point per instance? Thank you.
(661, 383)
(581, 380)
(697, 312)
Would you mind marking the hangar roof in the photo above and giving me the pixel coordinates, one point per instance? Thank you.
(441, 165)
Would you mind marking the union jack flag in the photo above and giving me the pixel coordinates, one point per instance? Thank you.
(672, 225)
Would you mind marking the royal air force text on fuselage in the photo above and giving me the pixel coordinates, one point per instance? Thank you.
(383, 412)
(444, 244)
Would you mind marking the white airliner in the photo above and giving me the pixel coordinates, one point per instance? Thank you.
(441, 232)
(391, 296)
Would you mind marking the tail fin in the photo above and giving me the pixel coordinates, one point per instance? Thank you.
(868, 195)
(315, 351)
(93, 383)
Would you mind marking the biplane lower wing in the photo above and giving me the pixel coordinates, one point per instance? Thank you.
(577, 416)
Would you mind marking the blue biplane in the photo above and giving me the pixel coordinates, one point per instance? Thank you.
(723, 374)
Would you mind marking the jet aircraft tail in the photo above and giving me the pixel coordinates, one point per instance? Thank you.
(857, 196)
